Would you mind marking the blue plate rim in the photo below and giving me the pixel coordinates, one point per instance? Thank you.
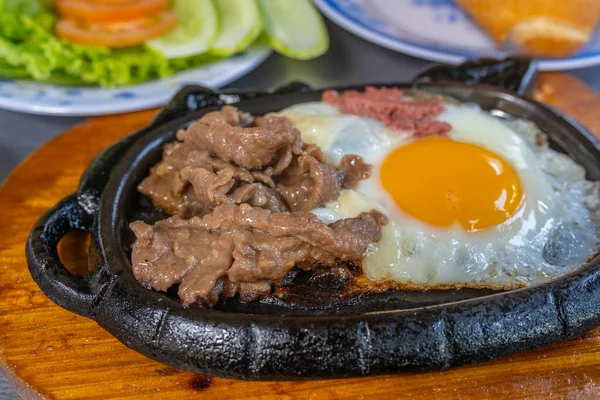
(337, 13)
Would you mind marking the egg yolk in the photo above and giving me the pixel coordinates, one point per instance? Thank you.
(441, 182)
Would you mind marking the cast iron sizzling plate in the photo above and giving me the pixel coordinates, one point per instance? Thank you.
(278, 339)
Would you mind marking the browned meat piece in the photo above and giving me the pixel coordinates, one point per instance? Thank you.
(268, 198)
(387, 105)
(210, 188)
(247, 245)
(182, 202)
(168, 184)
(284, 160)
(264, 177)
(276, 124)
(354, 169)
(227, 114)
(258, 195)
(309, 184)
(237, 173)
(251, 147)
(302, 224)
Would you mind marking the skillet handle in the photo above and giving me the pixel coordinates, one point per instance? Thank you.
(195, 97)
(63, 288)
(516, 74)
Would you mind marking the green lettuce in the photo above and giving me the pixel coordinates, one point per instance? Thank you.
(30, 50)
(27, 7)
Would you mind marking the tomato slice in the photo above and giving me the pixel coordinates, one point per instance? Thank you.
(110, 10)
(117, 34)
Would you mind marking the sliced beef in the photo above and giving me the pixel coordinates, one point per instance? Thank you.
(191, 179)
(247, 245)
(181, 201)
(309, 184)
(354, 169)
(250, 147)
(268, 198)
(280, 125)
(223, 154)
(258, 195)
(388, 106)
(230, 184)
(210, 188)
(302, 224)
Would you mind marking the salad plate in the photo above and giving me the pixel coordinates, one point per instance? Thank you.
(436, 30)
(48, 99)
(87, 57)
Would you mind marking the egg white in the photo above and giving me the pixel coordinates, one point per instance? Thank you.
(559, 204)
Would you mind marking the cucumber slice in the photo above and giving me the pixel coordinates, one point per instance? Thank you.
(294, 28)
(196, 30)
(240, 24)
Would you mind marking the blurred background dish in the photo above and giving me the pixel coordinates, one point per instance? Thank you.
(441, 30)
(544, 28)
(91, 57)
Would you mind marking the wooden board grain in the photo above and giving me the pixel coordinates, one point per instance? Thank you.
(48, 352)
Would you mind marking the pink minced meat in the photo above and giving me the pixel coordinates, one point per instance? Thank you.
(389, 106)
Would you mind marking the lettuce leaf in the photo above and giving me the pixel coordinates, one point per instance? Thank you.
(25, 7)
(30, 50)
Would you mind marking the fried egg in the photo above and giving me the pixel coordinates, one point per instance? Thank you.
(491, 205)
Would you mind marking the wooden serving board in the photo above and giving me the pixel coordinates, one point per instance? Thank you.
(48, 352)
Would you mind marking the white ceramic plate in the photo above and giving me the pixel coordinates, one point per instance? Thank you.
(40, 98)
(436, 30)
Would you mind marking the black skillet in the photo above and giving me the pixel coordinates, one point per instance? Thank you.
(313, 332)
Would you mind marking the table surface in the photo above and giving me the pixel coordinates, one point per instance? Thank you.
(349, 61)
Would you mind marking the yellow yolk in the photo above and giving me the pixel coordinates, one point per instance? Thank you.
(441, 182)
